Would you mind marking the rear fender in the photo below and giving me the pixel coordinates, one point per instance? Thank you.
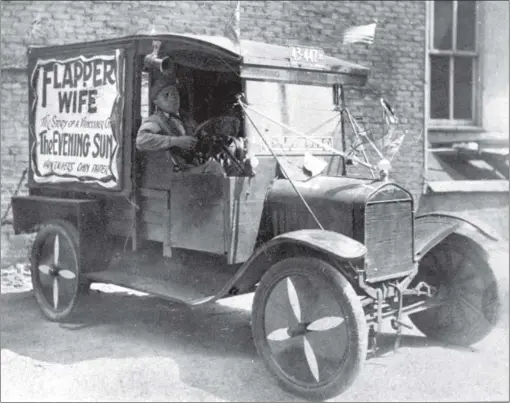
(30, 212)
(432, 228)
(308, 242)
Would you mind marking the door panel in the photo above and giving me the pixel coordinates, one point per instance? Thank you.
(243, 213)
(197, 212)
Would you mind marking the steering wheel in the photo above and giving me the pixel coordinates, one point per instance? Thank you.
(217, 138)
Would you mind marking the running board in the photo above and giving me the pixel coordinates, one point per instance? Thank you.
(192, 280)
(164, 289)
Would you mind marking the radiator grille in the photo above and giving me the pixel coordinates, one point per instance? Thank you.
(388, 238)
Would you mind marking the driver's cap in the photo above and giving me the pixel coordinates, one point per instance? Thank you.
(160, 85)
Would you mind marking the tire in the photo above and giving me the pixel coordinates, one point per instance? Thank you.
(55, 270)
(468, 288)
(313, 359)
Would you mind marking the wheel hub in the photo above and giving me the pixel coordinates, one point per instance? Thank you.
(53, 270)
(299, 330)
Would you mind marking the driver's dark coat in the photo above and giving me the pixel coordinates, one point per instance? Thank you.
(154, 135)
(156, 131)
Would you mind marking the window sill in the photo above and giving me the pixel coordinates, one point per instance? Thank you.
(474, 186)
(454, 128)
(450, 135)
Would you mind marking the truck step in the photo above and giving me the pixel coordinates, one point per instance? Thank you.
(191, 279)
(166, 289)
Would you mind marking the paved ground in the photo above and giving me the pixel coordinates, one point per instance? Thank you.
(131, 347)
(128, 346)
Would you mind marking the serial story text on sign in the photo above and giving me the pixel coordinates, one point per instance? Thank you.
(76, 120)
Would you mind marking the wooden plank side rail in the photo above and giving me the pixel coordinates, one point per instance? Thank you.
(155, 217)
(119, 217)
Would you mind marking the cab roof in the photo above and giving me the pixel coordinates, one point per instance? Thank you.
(248, 53)
(266, 54)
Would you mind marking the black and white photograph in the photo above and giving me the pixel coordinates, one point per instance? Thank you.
(255, 201)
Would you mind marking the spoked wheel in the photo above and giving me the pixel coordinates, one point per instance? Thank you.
(55, 270)
(309, 328)
(469, 304)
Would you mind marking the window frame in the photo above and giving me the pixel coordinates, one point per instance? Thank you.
(336, 142)
(444, 131)
(477, 68)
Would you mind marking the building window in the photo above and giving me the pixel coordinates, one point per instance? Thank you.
(453, 63)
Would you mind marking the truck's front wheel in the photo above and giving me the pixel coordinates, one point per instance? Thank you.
(309, 327)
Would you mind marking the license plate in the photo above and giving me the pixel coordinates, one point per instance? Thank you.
(306, 56)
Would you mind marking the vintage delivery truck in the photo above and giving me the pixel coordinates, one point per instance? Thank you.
(328, 256)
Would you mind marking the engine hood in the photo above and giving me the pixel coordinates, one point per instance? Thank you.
(337, 202)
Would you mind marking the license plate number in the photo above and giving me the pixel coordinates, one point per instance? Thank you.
(302, 55)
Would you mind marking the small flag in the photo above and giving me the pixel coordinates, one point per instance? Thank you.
(385, 141)
(360, 34)
(389, 116)
(392, 149)
(362, 136)
(389, 119)
(35, 29)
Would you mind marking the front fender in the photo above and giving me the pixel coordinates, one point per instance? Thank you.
(310, 241)
(331, 242)
(431, 228)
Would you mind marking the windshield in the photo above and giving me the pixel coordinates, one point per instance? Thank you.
(308, 109)
(302, 125)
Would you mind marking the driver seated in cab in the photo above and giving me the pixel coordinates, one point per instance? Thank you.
(165, 129)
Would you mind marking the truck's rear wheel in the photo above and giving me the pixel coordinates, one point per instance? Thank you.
(55, 270)
(309, 327)
(467, 291)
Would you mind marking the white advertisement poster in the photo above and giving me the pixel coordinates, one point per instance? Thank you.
(76, 128)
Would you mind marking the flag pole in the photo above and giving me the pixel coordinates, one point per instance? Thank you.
(238, 24)
(238, 19)
(232, 29)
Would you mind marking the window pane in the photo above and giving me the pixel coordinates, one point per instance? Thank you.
(466, 20)
(443, 21)
(308, 109)
(439, 87)
(463, 88)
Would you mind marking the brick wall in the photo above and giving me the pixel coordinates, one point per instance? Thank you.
(14, 132)
(396, 58)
